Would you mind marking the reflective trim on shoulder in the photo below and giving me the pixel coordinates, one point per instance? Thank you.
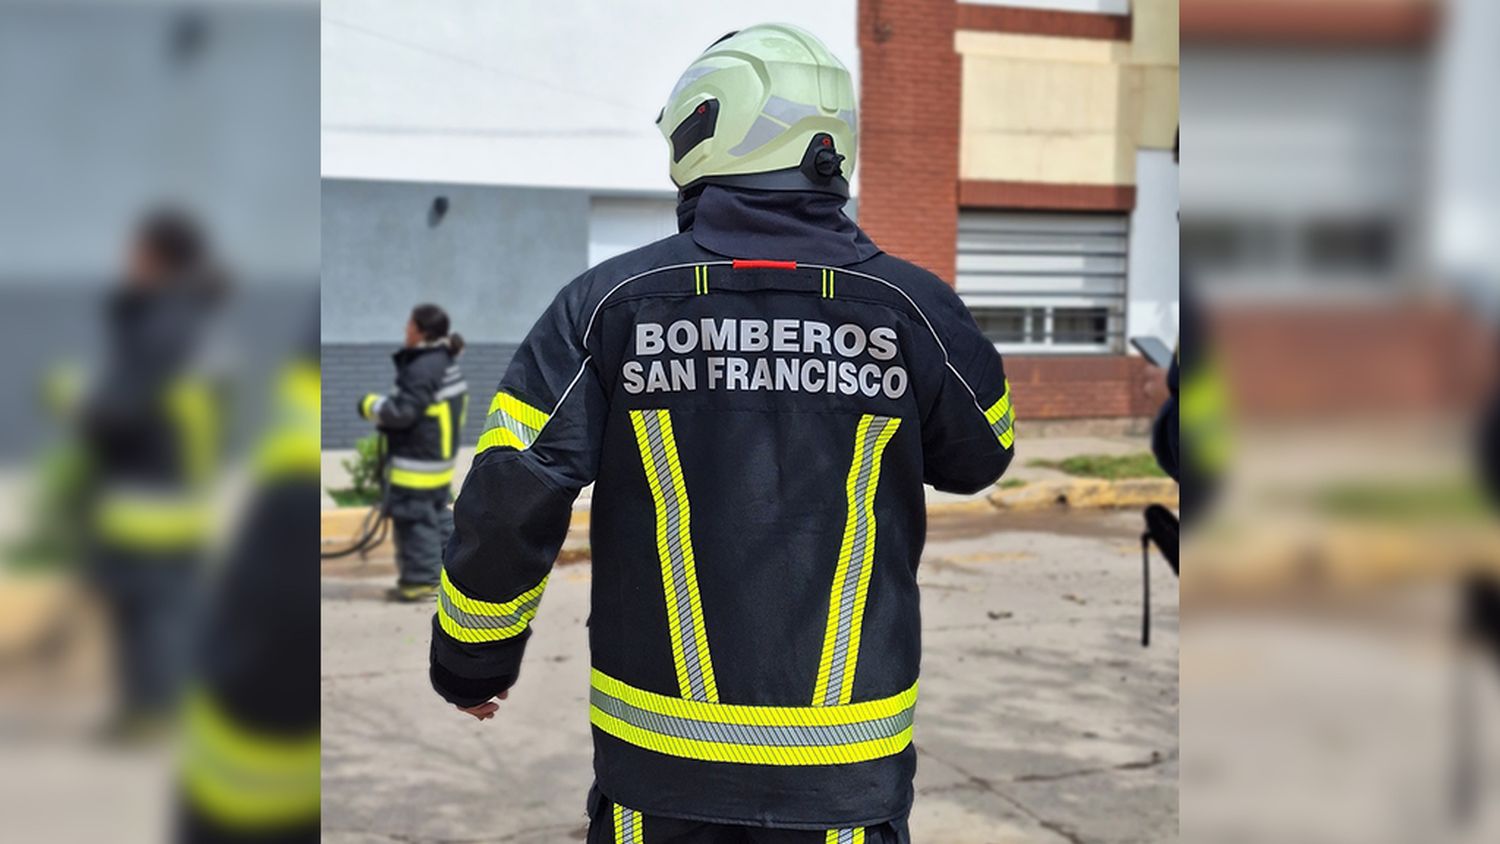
(1002, 419)
(452, 391)
(752, 735)
(472, 620)
(511, 423)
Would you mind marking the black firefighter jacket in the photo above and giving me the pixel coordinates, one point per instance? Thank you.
(758, 426)
(422, 418)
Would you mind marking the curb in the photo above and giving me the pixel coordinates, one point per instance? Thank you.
(340, 523)
(1088, 492)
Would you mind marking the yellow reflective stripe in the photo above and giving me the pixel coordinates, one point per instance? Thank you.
(628, 826)
(674, 544)
(191, 405)
(150, 522)
(760, 735)
(243, 777)
(1002, 418)
(511, 423)
(845, 836)
(368, 404)
(439, 411)
(846, 606)
(700, 279)
(1203, 407)
(293, 446)
(473, 620)
(420, 480)
(828, 276)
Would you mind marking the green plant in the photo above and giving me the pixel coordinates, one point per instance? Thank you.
(364, 474)
(1110, 467)
(1013, 483)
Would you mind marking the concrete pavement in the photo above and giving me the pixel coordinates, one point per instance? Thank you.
(1042, 719)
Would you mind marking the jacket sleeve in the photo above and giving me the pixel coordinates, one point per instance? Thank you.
(404, 406)
(968, 433)
(539, 448)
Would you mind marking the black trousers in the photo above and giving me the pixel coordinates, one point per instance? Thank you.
(635, 828)
(422, 523)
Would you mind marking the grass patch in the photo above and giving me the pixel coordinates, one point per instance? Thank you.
(1439, 500)
(354, 497)
(1013, 483)
(1110, 467)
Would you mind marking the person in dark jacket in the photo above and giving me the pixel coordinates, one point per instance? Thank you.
(422, 421)
(758, 402)
(150, 431)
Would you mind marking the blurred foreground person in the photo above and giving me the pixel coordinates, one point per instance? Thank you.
(250, 756)
(422, 422)
(758, 401)
(150, 434)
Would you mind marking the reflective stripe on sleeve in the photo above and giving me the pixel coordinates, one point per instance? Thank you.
(511, 423)
(246, 778)
(674, 544)
(851, 579)
(1002, 419)
(752, 735)
(472, 620)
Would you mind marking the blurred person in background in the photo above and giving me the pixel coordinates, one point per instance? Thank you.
(151, 443)
(249, 767)
(754, 646)
(422, 422)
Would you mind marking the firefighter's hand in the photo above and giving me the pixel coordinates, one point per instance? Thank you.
(486, 710)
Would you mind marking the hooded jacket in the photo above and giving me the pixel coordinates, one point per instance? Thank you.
(758, 401)
(422, 417)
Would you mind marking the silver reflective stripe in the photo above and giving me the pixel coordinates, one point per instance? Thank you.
(762, 131)
(627, 825)
(500, 419)
(844, 836)
(412, 465)
(375, 408)
(522, 614)
(762, 735)
(787, 111)
(1003, 424)
(680, 599)
(862, 530)
(452, 391)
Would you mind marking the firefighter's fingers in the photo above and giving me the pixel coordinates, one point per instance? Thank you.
(483, 711)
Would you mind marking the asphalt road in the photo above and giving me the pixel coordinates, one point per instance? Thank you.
(1042, 718)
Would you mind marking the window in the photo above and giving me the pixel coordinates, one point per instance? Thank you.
(1045, 282)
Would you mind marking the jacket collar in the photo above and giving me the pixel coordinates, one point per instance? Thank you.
(803, 226)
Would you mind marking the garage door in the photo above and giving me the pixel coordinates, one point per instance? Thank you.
(1045, 282)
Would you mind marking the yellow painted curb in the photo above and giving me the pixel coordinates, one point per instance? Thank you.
(1088, 492)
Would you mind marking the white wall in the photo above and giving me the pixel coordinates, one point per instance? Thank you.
(618, 225)
(1151, 299)
(548, 93)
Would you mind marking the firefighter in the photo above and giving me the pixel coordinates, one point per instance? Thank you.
(758, 401)
(150, 433)
(422, 421)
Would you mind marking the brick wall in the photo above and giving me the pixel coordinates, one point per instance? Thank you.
(1080, 386)
(909, 119)
(352, 369)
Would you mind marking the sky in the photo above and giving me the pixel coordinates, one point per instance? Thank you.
(557, 93)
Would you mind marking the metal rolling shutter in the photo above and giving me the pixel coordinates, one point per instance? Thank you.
(1045, 281)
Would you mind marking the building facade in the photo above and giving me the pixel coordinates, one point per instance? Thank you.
(1023, 152)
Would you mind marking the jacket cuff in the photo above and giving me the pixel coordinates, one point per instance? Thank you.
(468, 675)
(367, 405)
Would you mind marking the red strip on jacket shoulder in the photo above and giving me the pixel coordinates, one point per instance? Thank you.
(742, 264)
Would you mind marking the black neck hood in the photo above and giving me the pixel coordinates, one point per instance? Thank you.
(804, 226)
